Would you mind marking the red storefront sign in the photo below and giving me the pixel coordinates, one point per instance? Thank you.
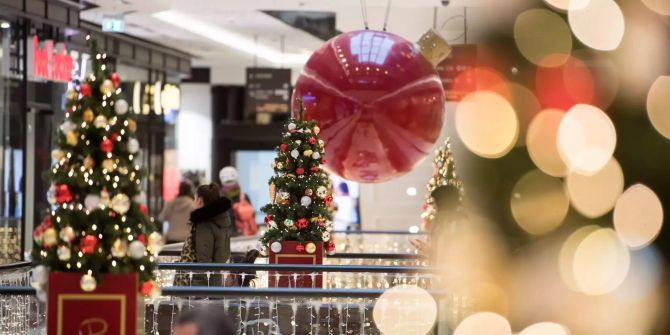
(49, 61)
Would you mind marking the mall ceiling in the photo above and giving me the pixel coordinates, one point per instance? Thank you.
(196, 26)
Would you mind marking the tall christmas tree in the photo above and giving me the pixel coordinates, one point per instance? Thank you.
(444, 174)
(300, 198)
(97, 223)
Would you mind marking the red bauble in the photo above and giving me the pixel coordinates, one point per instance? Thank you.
(330, 246)
(299, 248)
(88, 244)
(146, 287)
(314, 168)
(267, 218)
(323, 161)
(63, 194)
(142, 239)
(85, 89)
(302, 223)
(299, 171)
(378, 101)
(328, 200)
(115, 79)
(283, 147)
(312, 140)
(143, 209)
(114, 137)
(106, 145)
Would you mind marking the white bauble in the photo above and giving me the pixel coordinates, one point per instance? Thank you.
(51, 195)
(305, 201)
(100, 121)
(67, 234)
(291, 126)
(92, 202)
(87, 283)
(40, 275)
(121, 107)
(316, 155)
(136, 250)
(321, 192)
(325, 236)
(133, 145)
(64, 253)
(68, 126)
(121, 203)
(155, 242)
(275, 247)
(295, 153)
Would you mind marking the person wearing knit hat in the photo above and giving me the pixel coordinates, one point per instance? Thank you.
(242, 216)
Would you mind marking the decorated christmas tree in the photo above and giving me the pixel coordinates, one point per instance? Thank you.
(444, 174)
(300, 197)
(97, 223)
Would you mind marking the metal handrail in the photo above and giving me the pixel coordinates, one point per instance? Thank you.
(349, 255)
(15, 265)
(293, 267)
(208, 291)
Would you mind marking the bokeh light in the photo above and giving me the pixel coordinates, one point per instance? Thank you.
(658, 105)
(484, 79)
(487, 124)
(405, 309)
(563, 5)
(541, 142)
(539, 202)
(638, 216)
(539, 33)
(601, 262)
(598, 24)
(526, 106)
(545, 328)
(586, 139)
(567, 255)
(564, 86)
(484, 323)
(595, 195)
(659, 6)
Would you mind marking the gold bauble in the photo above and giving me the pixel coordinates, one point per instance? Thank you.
(119, 248)
(50, 238)
(57, 154)
(89, 163)
(132, 125)
(310, 247)
(106, 87)
(88, 115)
(71, 138)
(308, 153)
(273, 192)
(108, 165)
(72, 94)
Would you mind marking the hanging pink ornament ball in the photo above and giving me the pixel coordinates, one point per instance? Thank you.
(379, 103)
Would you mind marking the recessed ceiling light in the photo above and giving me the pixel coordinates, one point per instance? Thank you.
(229, 38)
(5, 25)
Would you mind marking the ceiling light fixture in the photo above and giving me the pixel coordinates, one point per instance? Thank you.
(229, 38)
(5, 25)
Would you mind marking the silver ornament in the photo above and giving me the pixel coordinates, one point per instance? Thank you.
(275, 247)
(121, 203)
(321, 192)
(121, 107)
(136, 250)
(295, 153)
(64, 253)
(88, 283)
(305, 201)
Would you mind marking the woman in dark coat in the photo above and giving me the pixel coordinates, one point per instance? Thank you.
(210, 225)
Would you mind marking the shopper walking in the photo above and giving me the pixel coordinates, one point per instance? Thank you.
(176, 213)
(210, 222)
(242, 217)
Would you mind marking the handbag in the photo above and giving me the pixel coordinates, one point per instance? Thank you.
(245, 218)
(187, 255)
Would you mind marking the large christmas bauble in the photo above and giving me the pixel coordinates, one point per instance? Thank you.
(378, 100)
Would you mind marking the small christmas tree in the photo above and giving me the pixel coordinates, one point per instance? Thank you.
(444, 174)
(301, 200)
(97, 223)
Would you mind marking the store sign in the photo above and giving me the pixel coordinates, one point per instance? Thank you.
(268, 90)
(114, 24)
(457, 72)
(48, 61)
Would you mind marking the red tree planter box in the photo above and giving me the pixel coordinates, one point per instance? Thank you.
(110, 309)
(289, 255)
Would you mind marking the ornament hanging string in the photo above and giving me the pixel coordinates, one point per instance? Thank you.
(364, 12)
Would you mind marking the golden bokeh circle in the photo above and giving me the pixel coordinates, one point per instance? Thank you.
(658, 105)
(405, 309)
(539, 33)
(545, 328)
(539, 203)
(541, 142)
(595, 195)
(484, 323)
(601, 262)
(638, 216)
(586, 138)
(598, 24)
